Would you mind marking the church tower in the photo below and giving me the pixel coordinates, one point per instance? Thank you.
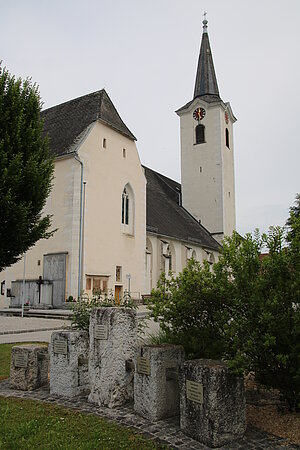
(207, 161)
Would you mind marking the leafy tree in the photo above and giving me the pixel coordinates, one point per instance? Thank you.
(292, 220)
(263, 334)
(247, 311)
(191, 311)
(26, 169)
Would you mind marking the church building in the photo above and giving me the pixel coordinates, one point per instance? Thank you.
(120, 224)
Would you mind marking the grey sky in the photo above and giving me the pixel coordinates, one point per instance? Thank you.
(145, 55)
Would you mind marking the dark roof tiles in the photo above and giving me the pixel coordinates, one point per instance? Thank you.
(165, 216)
(206, 80)
(65, 123)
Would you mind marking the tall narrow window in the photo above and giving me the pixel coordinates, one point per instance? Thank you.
(200, 133)
(125, 207)
(227, 138)
(127, 215)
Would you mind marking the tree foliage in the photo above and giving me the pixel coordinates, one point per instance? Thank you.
(26, 169)
(191, 310)
(246, 311)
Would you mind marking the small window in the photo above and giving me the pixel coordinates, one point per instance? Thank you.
(200, 169)
(39, 262)
(118, 274)
(124, 152)
(200, 133)
(104, 143)
(2, 287)
(227, 138)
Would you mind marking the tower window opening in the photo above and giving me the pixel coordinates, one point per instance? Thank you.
(124, 152)
(104, 143)
(227, 137)
(200, 169)
(200, 133)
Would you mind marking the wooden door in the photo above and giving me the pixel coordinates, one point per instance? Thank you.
(118, 294)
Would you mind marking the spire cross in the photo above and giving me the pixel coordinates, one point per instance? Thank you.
(205, 22)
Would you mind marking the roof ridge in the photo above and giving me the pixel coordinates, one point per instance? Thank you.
(73, 100)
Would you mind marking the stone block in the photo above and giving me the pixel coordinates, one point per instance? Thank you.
(113, 341)
(29, 366)
(156, 386)
(212, 403)
(69, 351)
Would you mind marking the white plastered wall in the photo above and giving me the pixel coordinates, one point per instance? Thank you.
(106, 241)
(207, 171)
(63, 203)
(181, 252)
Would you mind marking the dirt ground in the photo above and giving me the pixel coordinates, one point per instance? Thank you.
(265, 411)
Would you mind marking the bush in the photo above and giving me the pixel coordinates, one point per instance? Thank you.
(247, 311)
(82, 308)
(263, 334)
(191, 311)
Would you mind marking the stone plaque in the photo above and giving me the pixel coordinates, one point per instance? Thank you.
(100, 332)
(143, 365)
(194, 391)
(21, 360)
(60, 346)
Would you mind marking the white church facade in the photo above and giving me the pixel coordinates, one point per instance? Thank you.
(120, 224)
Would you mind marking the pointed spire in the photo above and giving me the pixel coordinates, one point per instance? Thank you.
(206, 81)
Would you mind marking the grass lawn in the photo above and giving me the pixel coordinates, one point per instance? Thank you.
(27, 424)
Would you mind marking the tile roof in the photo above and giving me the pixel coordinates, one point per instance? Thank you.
(206, 80)
(66, 123)
(165, 216)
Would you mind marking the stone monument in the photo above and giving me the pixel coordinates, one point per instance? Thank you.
(156, 388)
(29, 366)
(212, 402)
(69, 352)
(113, 340)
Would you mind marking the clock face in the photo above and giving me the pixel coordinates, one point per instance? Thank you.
(199, 113)
(226, 117)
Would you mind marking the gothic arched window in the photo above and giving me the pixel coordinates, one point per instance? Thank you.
(125, 207)
(200, 133)
(127, 214)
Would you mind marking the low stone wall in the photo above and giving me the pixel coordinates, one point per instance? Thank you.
(29, 366)
(113, 341)
(69, 352)
(156, 388)
(212, 403)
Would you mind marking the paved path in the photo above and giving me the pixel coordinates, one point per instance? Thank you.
(163, 431)
(26, 329)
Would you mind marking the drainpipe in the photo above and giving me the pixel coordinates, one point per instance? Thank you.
(80, 229)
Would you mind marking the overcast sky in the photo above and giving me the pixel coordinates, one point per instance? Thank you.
(145, 53)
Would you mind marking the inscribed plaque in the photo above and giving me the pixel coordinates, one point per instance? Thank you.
(194, 391)
(143, 365)
(60, 346)
(21, 360)
(100, 332)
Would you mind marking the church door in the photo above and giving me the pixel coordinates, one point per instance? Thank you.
(118, 294)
